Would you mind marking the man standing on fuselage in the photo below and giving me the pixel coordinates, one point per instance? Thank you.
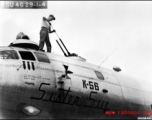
(44, 33)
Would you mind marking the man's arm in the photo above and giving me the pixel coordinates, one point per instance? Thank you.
(44, 18)
(50, 30)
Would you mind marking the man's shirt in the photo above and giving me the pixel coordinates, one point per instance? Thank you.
(45, 24)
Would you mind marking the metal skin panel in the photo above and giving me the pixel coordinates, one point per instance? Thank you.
(131, 85)
(5, 48)
(133, 101)
(148, 101)
(66, 98)
(25, 86)
(116, 100)
(44, 85)
(10, 81)
(110, 78)
(134, 96)
(127, 81)
(54, 57)
(100, 102)
(68, 101)
(82, 72)
(91, 92)
(77, 94)
(72, 61)
(30, 82)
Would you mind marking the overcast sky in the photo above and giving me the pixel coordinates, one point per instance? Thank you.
(92, 29)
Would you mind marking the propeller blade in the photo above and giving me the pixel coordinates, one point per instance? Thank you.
(66, 67)
(69, 72)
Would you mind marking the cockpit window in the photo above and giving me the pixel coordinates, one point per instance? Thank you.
(8, 54)
(42, 57)
(25, 55)
(99, 75)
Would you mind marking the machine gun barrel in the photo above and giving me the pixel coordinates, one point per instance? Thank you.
(62, 49)
(69, 54)
(65, 47)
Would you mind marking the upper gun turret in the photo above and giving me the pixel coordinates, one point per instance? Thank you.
(24, 43)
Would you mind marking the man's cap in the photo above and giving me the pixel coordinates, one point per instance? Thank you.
(52, 16)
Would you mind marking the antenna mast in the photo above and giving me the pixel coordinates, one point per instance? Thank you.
(108, 56)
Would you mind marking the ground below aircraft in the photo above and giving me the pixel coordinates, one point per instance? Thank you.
(35, 84)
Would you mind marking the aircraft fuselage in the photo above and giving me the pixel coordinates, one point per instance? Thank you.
(65, 87)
